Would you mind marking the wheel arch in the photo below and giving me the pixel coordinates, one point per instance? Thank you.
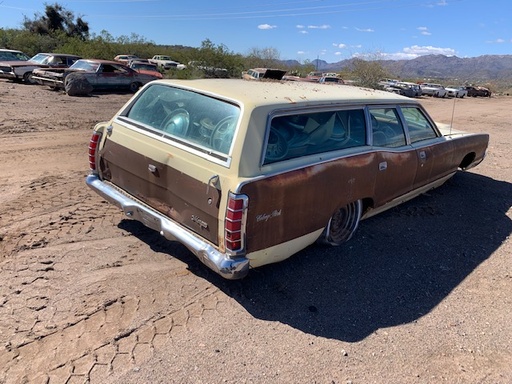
(467, 160)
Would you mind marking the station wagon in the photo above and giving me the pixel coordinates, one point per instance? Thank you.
(247, 173)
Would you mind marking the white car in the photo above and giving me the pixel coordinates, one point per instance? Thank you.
(457, 92)
(434, 90)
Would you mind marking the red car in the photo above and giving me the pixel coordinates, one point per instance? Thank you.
(101, 74)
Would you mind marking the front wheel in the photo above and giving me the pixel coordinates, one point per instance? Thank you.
(134, 87)
(27, 78)
(342, 224)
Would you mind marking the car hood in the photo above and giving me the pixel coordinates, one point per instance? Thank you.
(21, 63)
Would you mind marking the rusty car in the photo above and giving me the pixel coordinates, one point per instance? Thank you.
(17, 66)
(263, 73)
(102, 75)
(473, 91)
(145, 67)
(248, 173)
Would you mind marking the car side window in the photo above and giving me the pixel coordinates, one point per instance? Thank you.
(418, 125)
(387, 130)
(310, 133)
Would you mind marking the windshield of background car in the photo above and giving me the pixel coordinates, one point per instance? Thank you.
(13, 56)
(84, 65)
(39, 58)
(192, 119)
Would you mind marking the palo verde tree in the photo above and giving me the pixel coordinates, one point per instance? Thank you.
(368, 73)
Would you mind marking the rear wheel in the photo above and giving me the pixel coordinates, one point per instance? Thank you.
(342, 224)
(134, 87)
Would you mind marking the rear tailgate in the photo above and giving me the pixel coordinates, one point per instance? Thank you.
(147, 168)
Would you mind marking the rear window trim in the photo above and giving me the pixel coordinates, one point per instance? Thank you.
(187, 146)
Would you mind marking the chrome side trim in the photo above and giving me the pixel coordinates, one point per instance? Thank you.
(228, 267)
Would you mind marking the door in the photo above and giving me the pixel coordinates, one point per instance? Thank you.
(396, 161)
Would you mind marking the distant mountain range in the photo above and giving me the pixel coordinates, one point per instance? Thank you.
(474, 69)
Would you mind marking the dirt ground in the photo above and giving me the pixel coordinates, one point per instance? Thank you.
(420, 294)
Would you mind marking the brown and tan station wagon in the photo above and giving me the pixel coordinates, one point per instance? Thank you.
(249, 173)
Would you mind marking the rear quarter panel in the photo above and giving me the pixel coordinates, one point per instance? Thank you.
(295, 203)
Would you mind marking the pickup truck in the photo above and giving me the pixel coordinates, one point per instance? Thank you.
(166, 62)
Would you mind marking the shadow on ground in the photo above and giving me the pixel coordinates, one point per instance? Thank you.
(398, 266)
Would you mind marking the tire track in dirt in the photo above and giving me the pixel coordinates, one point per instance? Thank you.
(92, 319)
(81, 299)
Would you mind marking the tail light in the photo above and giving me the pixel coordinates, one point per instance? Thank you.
(234, 232)
(93, 146)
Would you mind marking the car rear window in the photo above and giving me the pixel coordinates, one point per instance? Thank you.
(190, 118)
(312, 133)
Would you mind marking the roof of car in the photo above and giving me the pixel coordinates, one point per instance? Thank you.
(10, 50)
(101, 61)
(285, 92)
(57, 54)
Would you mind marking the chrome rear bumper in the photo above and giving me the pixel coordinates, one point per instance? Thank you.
(224, 265)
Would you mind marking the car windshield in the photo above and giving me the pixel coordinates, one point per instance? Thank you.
(13, 56)
(39, 58)
(197, 121)
(84, 65)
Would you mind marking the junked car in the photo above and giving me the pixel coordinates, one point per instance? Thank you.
(331, 80)
(55, 60)
(457, 92)
(125, 59)
(478, 91)
(16, 66)
(145, 67)
(434, 90)
(263, 73)
(247, 173)
(401, 89)
(100, 74)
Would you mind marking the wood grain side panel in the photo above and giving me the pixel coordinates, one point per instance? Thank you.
(295, 203)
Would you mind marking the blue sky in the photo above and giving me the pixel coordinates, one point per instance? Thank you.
(331, 30)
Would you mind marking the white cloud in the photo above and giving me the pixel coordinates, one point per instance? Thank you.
(301, 52)
(325, 26)
(339, 45)
(424, 31)
(497, 41)
(428, 50)
(416, 51)
(300, 26)
(266, 26)
(304, 32)
(365, 30)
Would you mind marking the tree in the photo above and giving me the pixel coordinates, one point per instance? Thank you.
(368, 73)
(57, 19)
(263, 57)
(218, 57)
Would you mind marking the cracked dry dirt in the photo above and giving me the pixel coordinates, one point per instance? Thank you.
(421, 294)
